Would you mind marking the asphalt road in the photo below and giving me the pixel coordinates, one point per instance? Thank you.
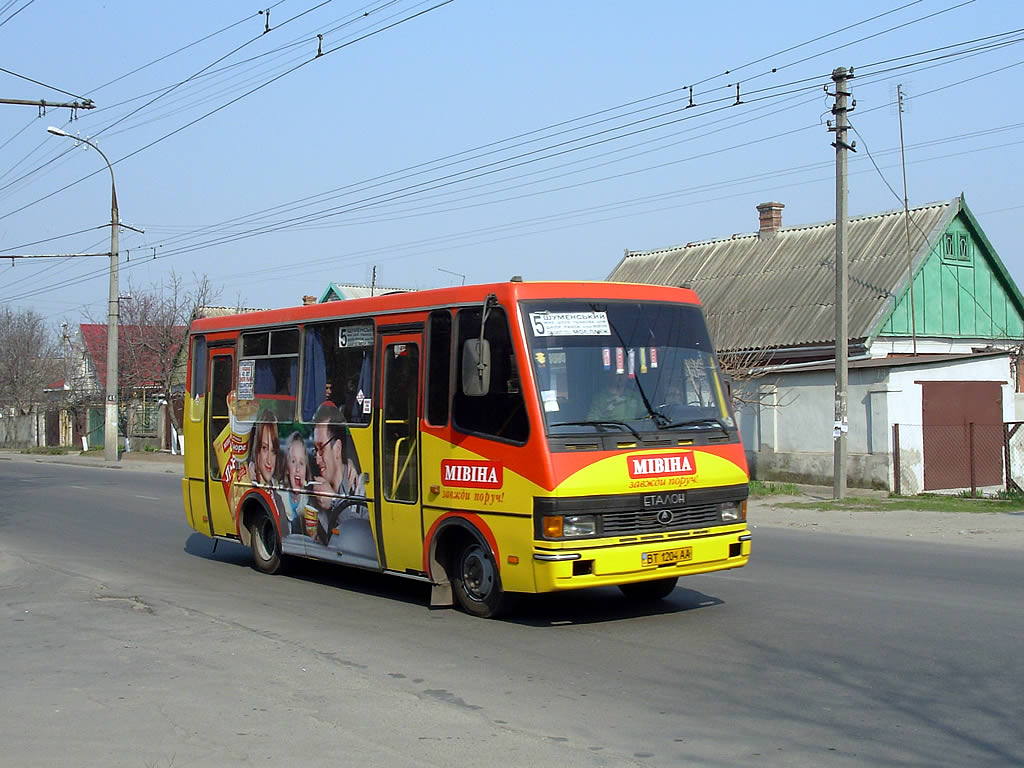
(124, 640)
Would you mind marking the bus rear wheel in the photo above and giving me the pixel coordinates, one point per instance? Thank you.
(266, 544)
(648, 591)
(476, 582)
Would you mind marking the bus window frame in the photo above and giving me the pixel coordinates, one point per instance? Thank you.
(334, 324)
(198, 352)
(428, 374)
(293, 398)
(455, 386)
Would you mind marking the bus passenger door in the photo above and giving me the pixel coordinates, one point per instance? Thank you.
(221, 365)
(399, 517)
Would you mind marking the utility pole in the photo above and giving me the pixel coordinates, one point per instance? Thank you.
(840, 427)
(906, 223)
(110, 453)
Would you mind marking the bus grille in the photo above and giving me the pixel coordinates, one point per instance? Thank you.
(646, 521)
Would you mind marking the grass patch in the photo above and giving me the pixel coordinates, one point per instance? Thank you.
(47, 450)
(758, 488)
(924, 503)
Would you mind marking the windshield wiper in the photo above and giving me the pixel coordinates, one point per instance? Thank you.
(598, 423)
(696, 423)
(658, 417)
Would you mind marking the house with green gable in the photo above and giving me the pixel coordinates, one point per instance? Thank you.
(961, 289)
(935, 325)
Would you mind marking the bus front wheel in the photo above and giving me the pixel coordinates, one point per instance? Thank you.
(476, 582)
(646, 591)
(266, 544)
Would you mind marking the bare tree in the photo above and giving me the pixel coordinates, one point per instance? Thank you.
(744, 368)
(28, 358)
(153, 327)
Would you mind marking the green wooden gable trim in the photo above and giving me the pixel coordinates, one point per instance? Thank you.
(959, 294)
(333, 293)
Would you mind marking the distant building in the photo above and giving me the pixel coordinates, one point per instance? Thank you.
(144, 356)
(342, 291)
(952, 362)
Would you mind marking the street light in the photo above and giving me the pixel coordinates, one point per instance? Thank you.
(110, 410)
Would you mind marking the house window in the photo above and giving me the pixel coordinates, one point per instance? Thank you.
(956, 249)
(963, 249)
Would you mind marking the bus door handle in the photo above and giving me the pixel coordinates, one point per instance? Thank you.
(394, 468)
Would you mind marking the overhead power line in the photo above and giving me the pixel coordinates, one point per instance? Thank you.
(394, 176)
(26, 5)
(51, 87)
(384, 202)
(597, 210)
(226, 105)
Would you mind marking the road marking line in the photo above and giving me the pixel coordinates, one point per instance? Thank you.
(149, 498)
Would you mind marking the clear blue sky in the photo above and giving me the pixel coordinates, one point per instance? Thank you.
(385, 152)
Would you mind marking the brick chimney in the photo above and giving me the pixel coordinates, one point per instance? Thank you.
(308, 300)
(769, 216)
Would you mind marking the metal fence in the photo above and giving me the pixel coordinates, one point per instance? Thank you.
(967, 457)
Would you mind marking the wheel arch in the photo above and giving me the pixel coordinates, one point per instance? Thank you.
(252, 504)
(446, 537)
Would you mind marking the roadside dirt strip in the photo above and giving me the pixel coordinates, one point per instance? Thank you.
(1002, 530)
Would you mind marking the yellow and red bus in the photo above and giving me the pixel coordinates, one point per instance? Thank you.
(517, 437)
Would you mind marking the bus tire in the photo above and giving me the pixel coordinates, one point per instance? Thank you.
(266, 544)
(476, 582)
(649, 591)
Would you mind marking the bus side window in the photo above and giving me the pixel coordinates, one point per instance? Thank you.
(274, 359)
(338, 369)
(221, 381)
(197, 385)
(439, 363)
(501, 412)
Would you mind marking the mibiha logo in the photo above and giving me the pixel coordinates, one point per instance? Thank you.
(662, 465)
(471, 473)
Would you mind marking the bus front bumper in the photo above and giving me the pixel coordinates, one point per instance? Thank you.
(603, 563)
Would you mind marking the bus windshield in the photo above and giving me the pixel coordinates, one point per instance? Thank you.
(633, 366)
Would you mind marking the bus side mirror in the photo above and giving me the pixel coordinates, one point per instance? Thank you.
(476, 367)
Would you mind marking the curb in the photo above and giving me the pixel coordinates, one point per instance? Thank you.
(162, 463)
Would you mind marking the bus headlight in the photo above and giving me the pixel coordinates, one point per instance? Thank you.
(569, 526)
(734, 511)
(579, 525)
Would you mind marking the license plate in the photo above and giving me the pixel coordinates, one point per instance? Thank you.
(666, 556)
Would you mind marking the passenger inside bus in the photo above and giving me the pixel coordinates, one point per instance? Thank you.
(618, 400)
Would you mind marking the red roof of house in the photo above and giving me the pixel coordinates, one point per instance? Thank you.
(94, 337)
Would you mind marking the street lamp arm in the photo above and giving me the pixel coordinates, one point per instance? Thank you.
(111, 409)
(58, 132)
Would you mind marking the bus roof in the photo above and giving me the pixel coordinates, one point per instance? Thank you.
(463, 295)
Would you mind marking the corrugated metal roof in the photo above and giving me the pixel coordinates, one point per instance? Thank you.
(209, 311)
(343, 291)
(778, 290)
(142, 339)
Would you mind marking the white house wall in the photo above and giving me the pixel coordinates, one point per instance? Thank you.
(906, 407)
(789, 435)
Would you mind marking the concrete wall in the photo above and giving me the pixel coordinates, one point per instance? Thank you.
(20, 430)
(788, 435)
(905, 407)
